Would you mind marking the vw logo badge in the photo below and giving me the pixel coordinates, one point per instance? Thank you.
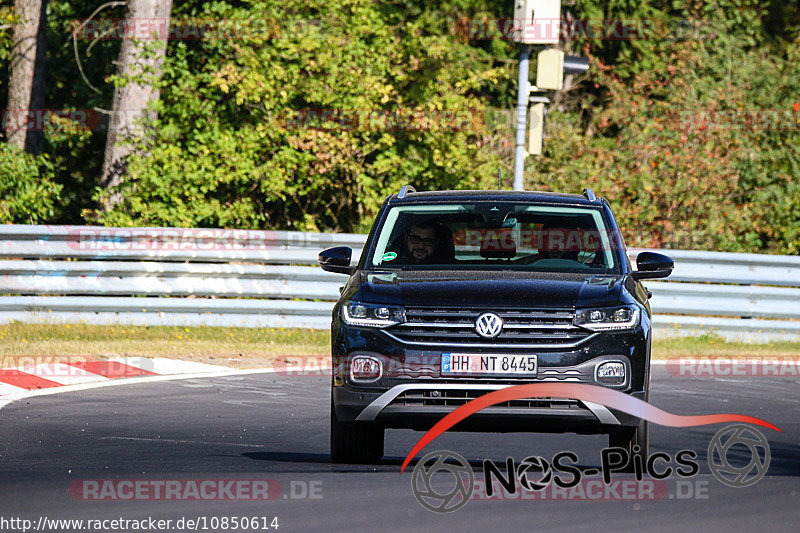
(489, 325)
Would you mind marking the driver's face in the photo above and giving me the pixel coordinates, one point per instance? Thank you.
(421, 242)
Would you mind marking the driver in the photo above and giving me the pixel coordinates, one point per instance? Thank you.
(420, 243)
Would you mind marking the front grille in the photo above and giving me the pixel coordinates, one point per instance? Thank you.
(455, 398)
(521, 328)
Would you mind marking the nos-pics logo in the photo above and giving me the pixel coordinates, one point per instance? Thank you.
(443, 481)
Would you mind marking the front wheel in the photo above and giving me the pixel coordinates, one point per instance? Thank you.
(355, 443)
(628, 439)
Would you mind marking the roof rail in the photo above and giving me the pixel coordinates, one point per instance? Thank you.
(405, 190)
(589, 194)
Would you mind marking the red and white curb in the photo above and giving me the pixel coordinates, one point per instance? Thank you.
(42, 379)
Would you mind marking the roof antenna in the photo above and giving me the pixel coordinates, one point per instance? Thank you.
(499, 180)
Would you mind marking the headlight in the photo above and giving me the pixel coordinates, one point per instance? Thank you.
(372, 315)
(608, 318)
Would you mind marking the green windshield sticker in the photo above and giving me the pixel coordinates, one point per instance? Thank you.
(389, 256)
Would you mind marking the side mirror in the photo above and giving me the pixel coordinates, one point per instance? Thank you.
(651, 265)
(337, 260)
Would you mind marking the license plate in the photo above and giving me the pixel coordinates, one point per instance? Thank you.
(459, 363)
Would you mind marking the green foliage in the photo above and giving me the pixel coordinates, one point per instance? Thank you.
(27, 191)
(7, 20)
(75, 150)
(305, 115)
(240, 141)
(702, 154)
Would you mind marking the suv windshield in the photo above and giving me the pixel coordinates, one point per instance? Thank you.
(491, 235)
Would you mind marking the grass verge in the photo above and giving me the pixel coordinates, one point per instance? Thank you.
(256, 347)
(236, 347)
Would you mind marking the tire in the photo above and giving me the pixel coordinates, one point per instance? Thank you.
(355, 443)
(627, 438)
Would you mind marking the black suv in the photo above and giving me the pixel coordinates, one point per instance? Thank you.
(459, 293)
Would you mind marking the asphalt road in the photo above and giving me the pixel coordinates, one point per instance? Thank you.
(276, 427)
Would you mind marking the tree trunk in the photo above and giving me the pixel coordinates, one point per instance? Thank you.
(132, 101)
(24, 113)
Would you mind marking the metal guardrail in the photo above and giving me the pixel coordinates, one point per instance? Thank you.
(270, 279)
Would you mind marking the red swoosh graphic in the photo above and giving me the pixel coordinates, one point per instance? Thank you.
(590, 393)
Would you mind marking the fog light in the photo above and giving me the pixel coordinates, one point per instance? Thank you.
(612, 373)
(365, 368)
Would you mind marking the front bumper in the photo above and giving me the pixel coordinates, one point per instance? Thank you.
(420, 405)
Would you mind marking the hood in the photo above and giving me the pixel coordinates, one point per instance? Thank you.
(486, 289)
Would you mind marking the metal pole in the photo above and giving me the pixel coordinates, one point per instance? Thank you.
(523, 93)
